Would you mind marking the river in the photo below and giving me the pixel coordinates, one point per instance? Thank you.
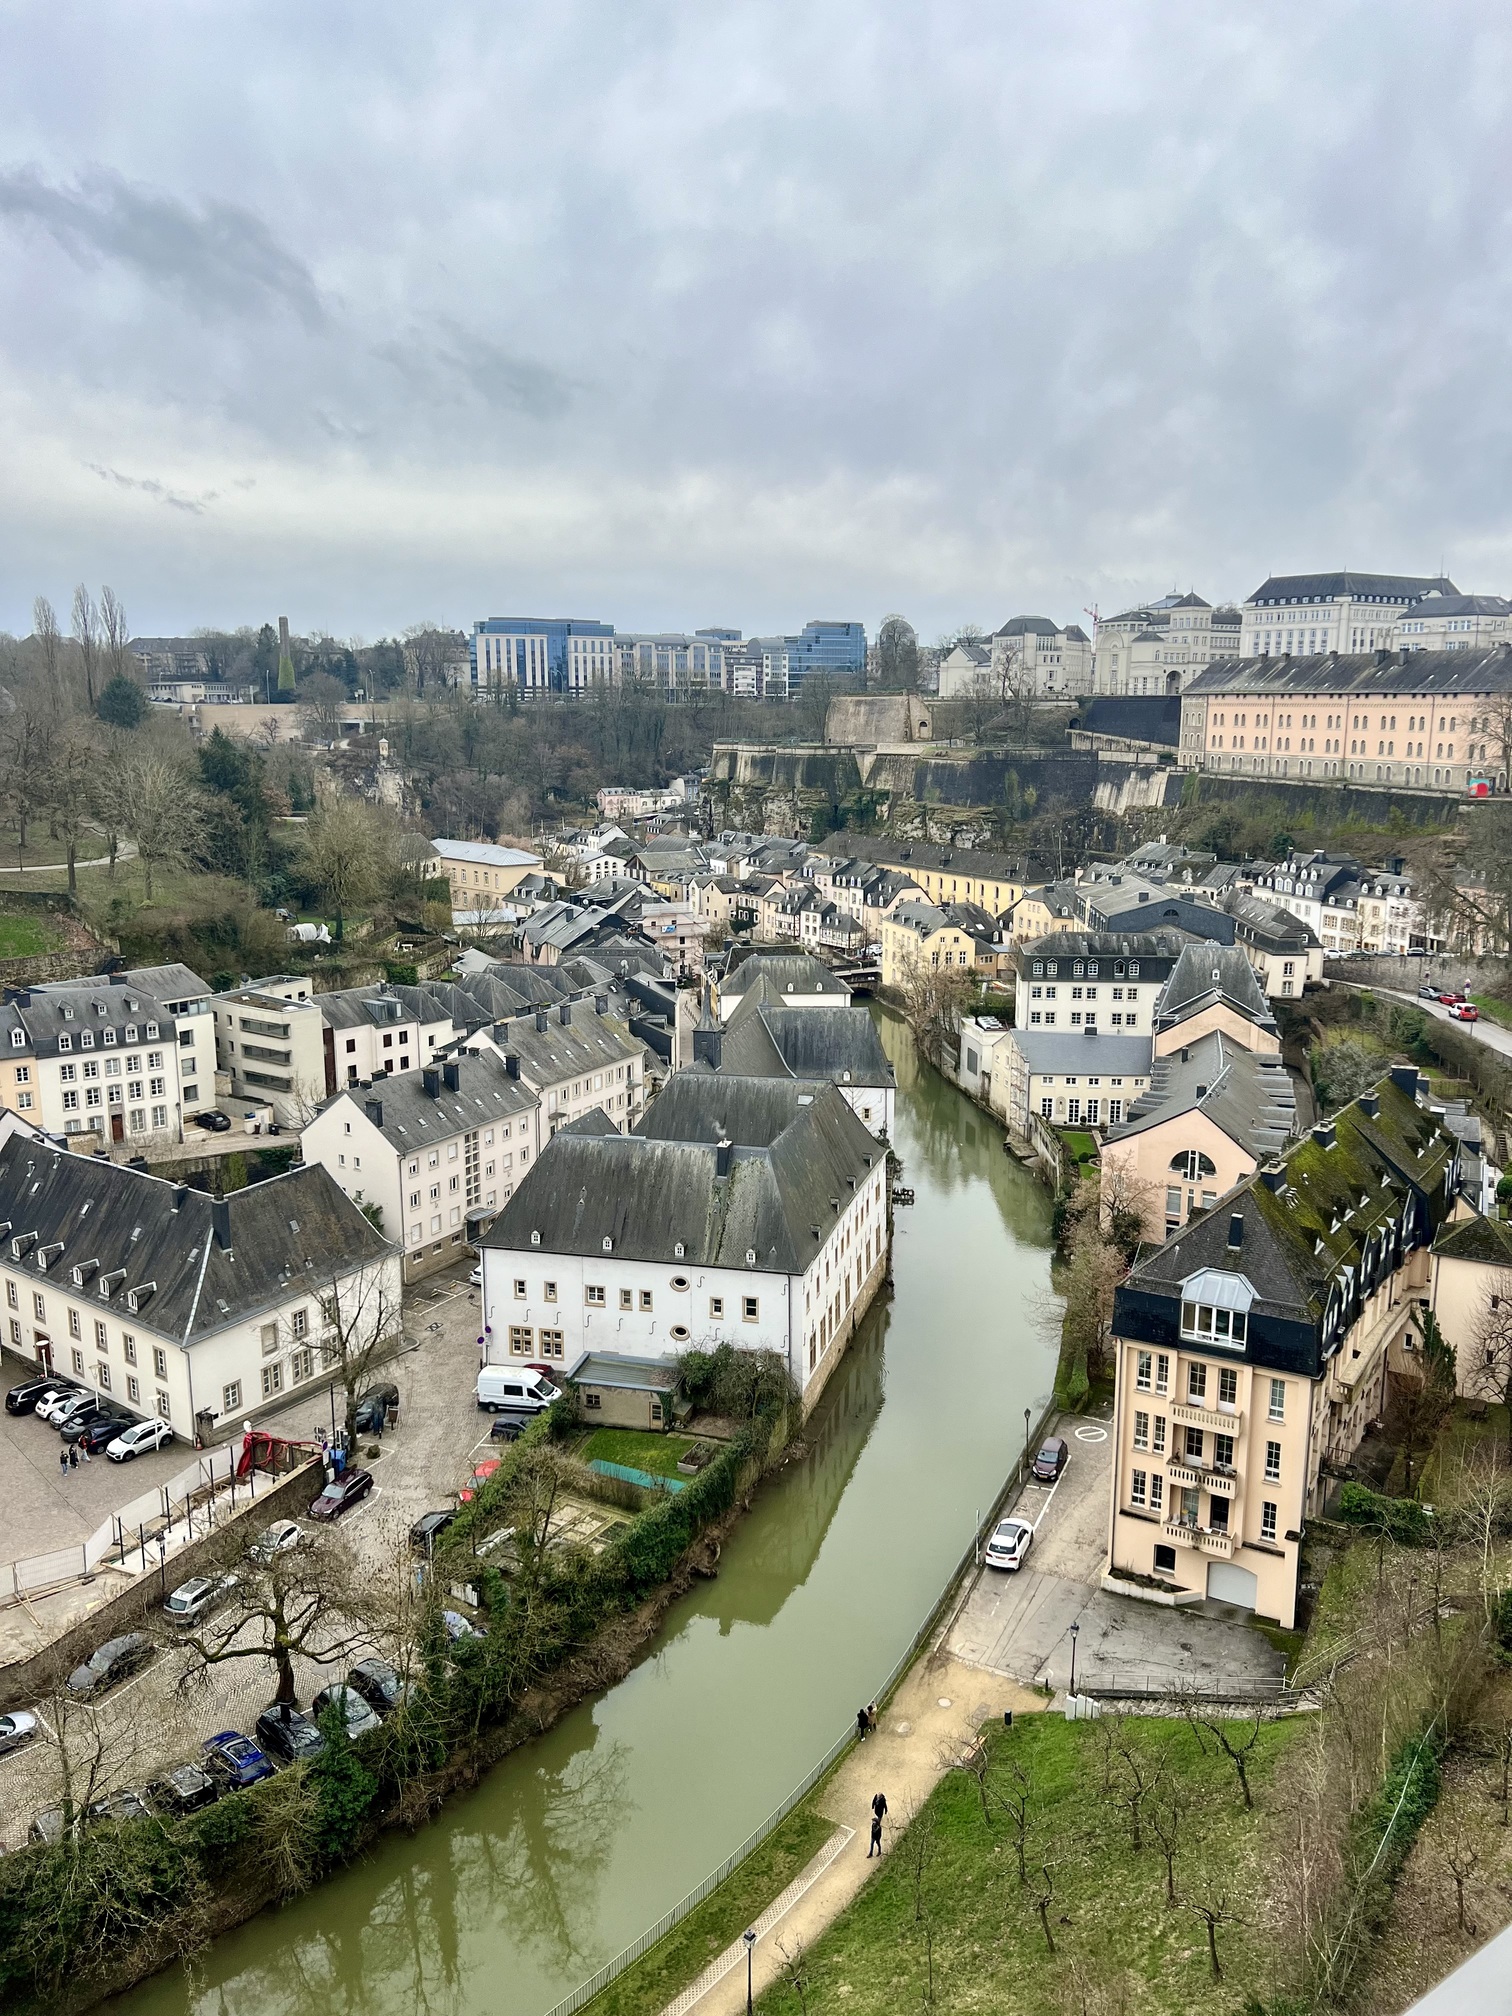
(574, 1844)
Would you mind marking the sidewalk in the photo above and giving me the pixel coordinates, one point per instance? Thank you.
(927, 1727)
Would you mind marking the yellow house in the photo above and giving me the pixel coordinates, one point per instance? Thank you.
(920, 935)
(945, 874)
(1040, 913)
(482, 876)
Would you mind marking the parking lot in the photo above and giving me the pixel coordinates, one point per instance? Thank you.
(145, 1725)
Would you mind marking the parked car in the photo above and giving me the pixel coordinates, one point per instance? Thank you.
(49, 1827)
(275, 1539)
(197, 1597)
(1464, 1011)
(1449, 997)
(1010, 1542)
(356, 1711)
(31, 1393)
(341, 1493)
(515, 1388)
(372, 1409)
(1428, 991)
(234, 1760)
(429, 1527)
(482, 1471)
(122, 1805)
(136, 1437)
(16, 1730)
(379, 1684)
(116, 1660)
(285, 1732)
(58, 1411)
(457, 1627)
(507, 1428)
(185, 1789)
(93, 1432)
(475, 1279)
(1051, 1460)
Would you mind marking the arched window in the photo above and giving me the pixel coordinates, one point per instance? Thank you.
(1190, 1164)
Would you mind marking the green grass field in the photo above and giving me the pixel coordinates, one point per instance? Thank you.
(656, 1454)
(949, 1898)
(23, 937)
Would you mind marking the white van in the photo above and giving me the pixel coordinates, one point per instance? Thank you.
(506, 1388)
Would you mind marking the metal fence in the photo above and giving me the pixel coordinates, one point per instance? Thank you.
(968, 1561)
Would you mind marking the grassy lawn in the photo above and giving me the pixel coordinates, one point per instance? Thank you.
(951, 1884)
(1465, 1436)
(1082, 1146)
(23, 937)
(657, 1454)
(1494, 1010)
(660, 1975)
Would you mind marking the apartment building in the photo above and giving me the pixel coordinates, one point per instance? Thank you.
(574, 1058)
(1437, 622)
(541, 654)
(1308, 615)
(286, 1047)
(1349, 908)
(483, 877)
(1416, 718)
(752, 1212)
(100, 1061)
(437, 1151)
(925, 935)
(941, 874)
(1159, 647)
(198, 1310)
(1077, 979)
(1253, 1349)
(1053, 661)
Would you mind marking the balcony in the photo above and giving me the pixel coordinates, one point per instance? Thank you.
(1220, 1421)
(1206, 1539)
(1220, 1482)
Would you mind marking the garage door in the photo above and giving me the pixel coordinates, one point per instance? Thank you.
(1228, 1584)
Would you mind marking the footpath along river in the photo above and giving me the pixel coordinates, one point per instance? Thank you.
(576, 1843)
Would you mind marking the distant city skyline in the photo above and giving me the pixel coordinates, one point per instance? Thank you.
(680, 317)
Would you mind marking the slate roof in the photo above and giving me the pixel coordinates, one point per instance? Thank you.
(1106, 944)
(1369, 587)
(1405, 673)
(413, 1115)
(1135, 717)
(155, 1242)
(785, 973)
(1269, 921)
(93, 1010)
(1048, 1053)
(587, 1042)
(910, 856)
(478, 853)
(1460, 605)
(767, 1039)
(1248, 1095)
(373, 1007)
(1207, 973)
(1024, 626)
(1485, 1240)
(799, 1153)
(173, 982)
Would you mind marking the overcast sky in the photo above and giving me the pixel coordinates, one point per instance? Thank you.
(746, 311)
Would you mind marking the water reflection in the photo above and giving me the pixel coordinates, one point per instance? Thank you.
(574, 1844)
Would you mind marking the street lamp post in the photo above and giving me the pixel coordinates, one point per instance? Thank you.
(162, 1547)
(1024, 1459)
(1075, 1628)
(750, 1946)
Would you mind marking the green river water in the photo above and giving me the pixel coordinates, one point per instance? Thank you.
(574, 1844)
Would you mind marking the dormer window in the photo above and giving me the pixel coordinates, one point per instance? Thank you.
(86, 1039)
(18, 1039)
(110, 1037)
(152, 1030)
(65, 1042)
(131, 1032)
(68, 1014)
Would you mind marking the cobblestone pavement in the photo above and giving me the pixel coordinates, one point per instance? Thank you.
(146, 1725)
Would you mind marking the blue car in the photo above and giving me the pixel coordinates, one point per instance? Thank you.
(235, 1760)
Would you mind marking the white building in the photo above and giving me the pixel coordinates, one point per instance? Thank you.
(574, 1057)
(102, 1060)
(1441, 622)
(1159, 647)
(749, 1212)
(1050, 660)
(172, 1303)
(438, 1151)
(1306, 615)
(966, 671)
(286, 1047)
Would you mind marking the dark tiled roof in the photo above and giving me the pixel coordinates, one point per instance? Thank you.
(913, 856)
(414, 1113)
(1406, 672)
(1486, 1240)
(1206, 973)
(1376, 587)
(766, 1039)
(785, 973)
(1248, 1095)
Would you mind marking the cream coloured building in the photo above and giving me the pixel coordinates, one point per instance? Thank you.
(1159, 647)
(1306, 615)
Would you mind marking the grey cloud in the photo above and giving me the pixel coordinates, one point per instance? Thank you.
(454, 359)
(180, 500)
(218, 256)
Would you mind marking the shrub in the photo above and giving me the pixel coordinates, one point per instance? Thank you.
(344, 1790)
(1400, 1519)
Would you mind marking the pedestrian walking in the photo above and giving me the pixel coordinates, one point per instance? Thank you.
(83, 1452)
(871, 1718)
(63, 1461)
(863, 1725)
(73, 1455)
(879, 1813)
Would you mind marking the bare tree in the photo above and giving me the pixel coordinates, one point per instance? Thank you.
(156, 804)
(427, 651)
(361, 1326)
(1014, 1793)
(25, 755)
(1236, 1747)
(86, 634)
(304, 1603)
(1487, 1373)
(796, 1973)
(918, 1845)
(1042, 1896)
(115, 635)
(1460, 1852)
(348, 850)
(70, 787)
(1168, 1816)
(324, 699)
(933, 997)
(45, 629)
(1136, 1775)
(1212, 1907)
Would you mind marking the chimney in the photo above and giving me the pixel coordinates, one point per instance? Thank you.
(564, 1014)
(1405, 1078)
(180, 1192)
(220, 1222)
(722, 1156)
(374, 1111)
(708, 1048)
(543, 1021)
(1323, 1134)
(1369, 1105)
(1273, 1176)
(1236, 1230)
(430, 1078)
(451, 1075)
(511, 1064)
(601, 1004)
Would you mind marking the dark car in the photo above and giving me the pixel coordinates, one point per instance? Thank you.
(23, 1399)
(234, 1760)
(119, 1806)
(355, 1709)
(372, 1409)
(379, 1684)
(183, 1790)
(284, 1732)
(1051, 1460)
(344, 1492)
(429, 1527)
(116, 1659)
(95, 1434)
(507, 1428)
(213, 1122)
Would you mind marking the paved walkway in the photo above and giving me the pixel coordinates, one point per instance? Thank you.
(930, 1724)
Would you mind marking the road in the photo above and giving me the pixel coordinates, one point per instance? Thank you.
(1492, 1034)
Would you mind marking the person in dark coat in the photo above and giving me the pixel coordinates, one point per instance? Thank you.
(863, 1725)
(879, 1813)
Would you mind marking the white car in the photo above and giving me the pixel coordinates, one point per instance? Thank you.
(139, 1436)
(57, 1410)
(476, 1276)
(276, 1539)
(1010, 1542)
(16, 1729)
